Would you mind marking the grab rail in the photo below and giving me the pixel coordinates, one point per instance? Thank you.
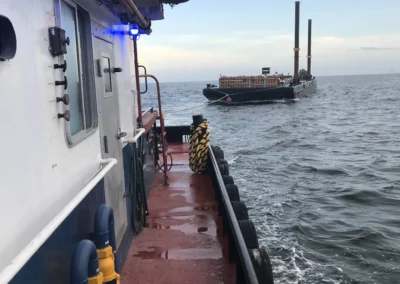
(135, 138)
(161, 117)
(245, 266)
(19, 261)
(150, 109)
(145, 78)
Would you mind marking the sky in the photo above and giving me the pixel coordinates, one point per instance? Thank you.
(201, 39)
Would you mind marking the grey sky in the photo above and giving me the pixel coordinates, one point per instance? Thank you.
(201, 39)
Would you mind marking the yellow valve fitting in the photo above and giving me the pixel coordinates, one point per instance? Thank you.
(106, 264)
(98, 279)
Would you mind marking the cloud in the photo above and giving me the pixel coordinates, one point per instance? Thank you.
(185, 57)
(372, 48)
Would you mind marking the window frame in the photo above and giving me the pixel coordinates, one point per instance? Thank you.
(86, 74)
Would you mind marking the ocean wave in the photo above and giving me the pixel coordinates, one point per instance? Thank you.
(311, 169)
(369, 197)
(321, 176)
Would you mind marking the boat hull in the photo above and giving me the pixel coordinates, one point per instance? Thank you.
(259, 95)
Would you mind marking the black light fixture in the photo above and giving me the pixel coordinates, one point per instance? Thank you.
(58, 41)
(8, 39)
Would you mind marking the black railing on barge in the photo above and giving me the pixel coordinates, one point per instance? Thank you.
(245, 272)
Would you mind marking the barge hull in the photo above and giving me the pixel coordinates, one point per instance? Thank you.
(259, 95)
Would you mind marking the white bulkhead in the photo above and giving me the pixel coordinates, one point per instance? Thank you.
(47, 160)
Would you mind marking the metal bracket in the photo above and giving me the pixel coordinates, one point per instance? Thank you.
(120, 134)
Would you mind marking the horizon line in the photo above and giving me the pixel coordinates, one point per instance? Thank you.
(322, 76)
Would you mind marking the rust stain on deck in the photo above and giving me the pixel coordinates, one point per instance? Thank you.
(182, 241)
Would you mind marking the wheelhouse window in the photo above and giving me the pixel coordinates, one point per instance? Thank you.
(80, 74)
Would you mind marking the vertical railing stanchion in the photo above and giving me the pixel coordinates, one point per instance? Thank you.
(139, 98)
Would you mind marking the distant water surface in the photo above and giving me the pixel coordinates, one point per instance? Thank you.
(321, 176)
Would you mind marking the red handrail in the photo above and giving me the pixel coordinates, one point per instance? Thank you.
(161, 117)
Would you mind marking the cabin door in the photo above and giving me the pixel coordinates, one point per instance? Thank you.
(107, 96)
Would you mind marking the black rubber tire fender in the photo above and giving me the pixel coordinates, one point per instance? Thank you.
(228, 179)
(218, 152)
(249, 233)
(240, 209)
(233, 192)
(262, 265)
(223, 167)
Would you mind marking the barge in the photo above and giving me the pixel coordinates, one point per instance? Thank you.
(95, 189)
(257, 95)
(267, 88)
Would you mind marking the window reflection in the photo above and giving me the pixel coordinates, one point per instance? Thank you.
(107, 74)
(69, 23)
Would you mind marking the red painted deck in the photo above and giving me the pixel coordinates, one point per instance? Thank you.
(183, 241)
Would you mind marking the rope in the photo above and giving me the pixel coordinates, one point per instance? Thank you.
(198, 147)
(189, 108)
(209, 102)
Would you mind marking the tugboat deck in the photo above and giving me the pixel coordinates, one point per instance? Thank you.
(183, 240)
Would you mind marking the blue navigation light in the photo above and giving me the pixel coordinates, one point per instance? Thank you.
(134, 30)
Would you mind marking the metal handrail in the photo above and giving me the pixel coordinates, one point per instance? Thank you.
(135, 138)
(243, 253)
(19, 261)
(161, 117)
(150, 109)
(145, 78)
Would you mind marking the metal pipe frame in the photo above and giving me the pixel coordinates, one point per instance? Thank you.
(309, 50)
(135, 138)
(296, 43)
(139, 97)
(161, 116)
(145, 79)
(150, 109)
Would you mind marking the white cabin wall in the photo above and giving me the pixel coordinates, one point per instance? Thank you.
(40, 174)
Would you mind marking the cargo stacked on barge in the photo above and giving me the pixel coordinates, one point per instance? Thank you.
(267, 88)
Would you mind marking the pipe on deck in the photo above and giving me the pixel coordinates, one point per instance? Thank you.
(104, 232)
(309, 50)
(296, 43)
(84, 263)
